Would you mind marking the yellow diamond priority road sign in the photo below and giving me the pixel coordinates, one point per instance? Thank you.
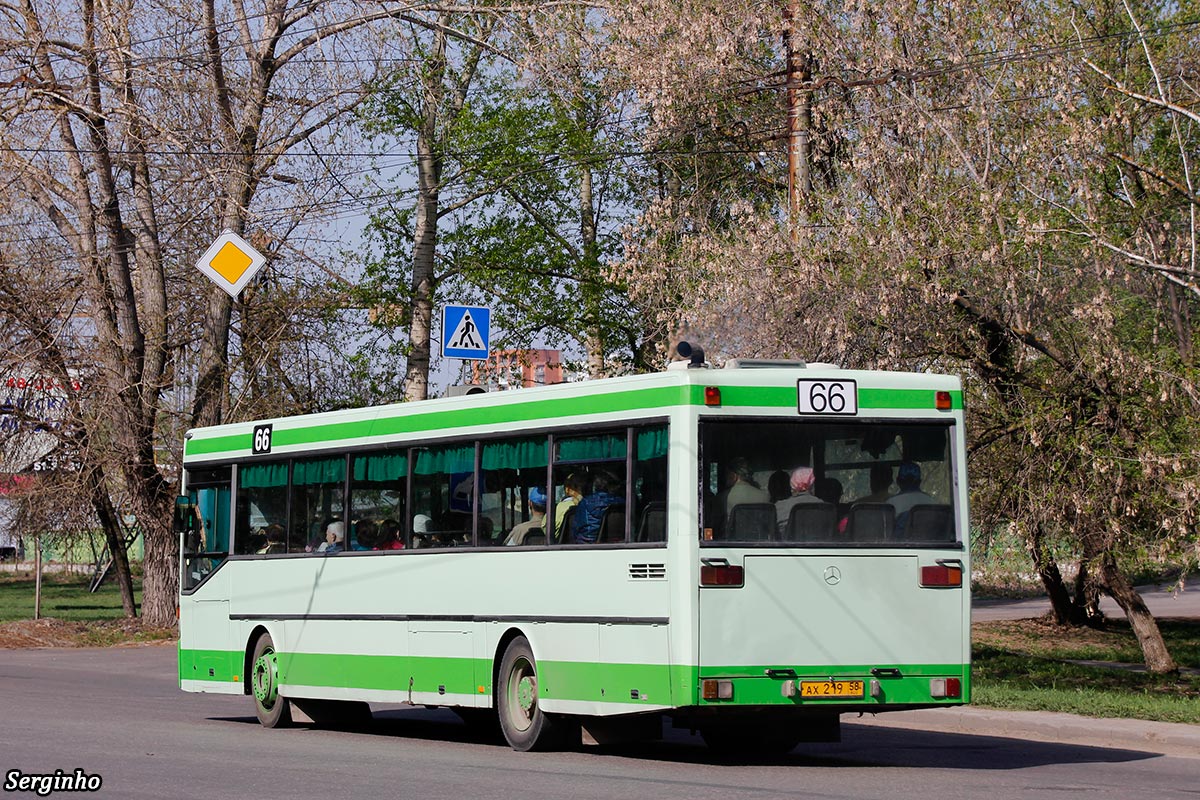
(231, 262)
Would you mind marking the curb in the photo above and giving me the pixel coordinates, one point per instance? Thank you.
(1166, 738)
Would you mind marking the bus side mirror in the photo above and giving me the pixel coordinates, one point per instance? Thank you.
(185, 518)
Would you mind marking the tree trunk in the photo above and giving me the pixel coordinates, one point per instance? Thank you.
(1145, 627)
(114, 537)
(594, 333)
(1047, 569)
(425, 231)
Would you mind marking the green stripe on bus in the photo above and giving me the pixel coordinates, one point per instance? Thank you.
(221, 666)
(658, 684)
(639, 399)
(751, 685)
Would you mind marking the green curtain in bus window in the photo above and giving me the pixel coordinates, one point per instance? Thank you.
(262, 476)
(605, 447)
(381, 468)
(652, 443)
(324, 470)
(444, 460)
(516, 454)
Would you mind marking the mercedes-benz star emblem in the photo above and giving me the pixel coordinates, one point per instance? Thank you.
(833, 576)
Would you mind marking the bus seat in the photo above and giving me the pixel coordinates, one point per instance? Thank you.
(535, 537)
(812, 522)
(928, 522)
(871, 522)
(653, 525)
(612, 524)
(751, 522)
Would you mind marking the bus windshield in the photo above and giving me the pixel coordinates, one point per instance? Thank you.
(795, 482)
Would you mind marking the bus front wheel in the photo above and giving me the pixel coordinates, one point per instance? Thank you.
(524, 724)
(274, 711)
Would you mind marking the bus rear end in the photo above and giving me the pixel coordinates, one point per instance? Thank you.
(833, 571)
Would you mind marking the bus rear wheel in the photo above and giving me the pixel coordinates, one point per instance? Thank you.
(524, 724)
(274, 711)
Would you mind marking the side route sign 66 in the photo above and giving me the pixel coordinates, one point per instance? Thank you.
(262, 439)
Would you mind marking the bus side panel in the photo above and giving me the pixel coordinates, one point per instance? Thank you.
(209, 660)
(424, 627)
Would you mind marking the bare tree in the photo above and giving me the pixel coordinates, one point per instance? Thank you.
(132, 133)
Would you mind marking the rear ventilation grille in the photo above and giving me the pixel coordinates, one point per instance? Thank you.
(648, 572)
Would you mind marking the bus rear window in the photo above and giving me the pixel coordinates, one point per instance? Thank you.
(794, 482)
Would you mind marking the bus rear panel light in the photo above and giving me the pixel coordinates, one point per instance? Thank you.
(712, 395)
(941, 575)
(943, 402)
(945, 688)
(712, 689)
(721, 575)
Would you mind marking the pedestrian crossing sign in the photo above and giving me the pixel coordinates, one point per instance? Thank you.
(466, 331)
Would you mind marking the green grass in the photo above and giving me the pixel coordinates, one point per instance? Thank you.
(64, 597)
(1026, 665)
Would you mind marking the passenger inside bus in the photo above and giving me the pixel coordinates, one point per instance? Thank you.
(536, 521)
(389, 536)
(335, 537)
(740, 488)
(275, 543)
(908, 478)
(591, 509)
(574, 489)
(801, 481)
(366, 535)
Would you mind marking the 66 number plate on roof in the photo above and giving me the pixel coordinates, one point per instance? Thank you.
(819, 689)
(827, 397)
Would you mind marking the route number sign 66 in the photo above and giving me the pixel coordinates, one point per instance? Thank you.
(262, 439)
(839, 397)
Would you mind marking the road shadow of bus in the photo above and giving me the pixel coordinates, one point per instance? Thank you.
(861, 745)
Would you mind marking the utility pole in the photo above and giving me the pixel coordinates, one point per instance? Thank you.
(799, 100)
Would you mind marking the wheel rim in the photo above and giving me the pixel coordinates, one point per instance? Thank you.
(265, 679)
(522, 694)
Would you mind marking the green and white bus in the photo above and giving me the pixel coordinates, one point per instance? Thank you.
(758, 549)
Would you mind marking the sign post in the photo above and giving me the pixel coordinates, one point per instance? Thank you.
(466, 332)
(230, 262)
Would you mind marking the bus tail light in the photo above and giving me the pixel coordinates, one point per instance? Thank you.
(719, 572)
(942, 575)
(945, 687)
(716, 690)
(943, 401)
(712, 395)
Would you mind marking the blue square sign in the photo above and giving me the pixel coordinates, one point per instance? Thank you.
(466, 331)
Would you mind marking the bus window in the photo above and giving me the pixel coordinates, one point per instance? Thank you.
(847, 483)
(317, 486)
(261, 504)
(378, 487)
(598, 464)
(443, 495)
(206, 544)
(650, 484)
(512, 503)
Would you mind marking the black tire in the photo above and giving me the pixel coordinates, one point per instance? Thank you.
(274, 710)
(524, 724)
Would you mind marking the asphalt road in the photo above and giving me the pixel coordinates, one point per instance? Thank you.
(117, 713)
(1163, 601)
